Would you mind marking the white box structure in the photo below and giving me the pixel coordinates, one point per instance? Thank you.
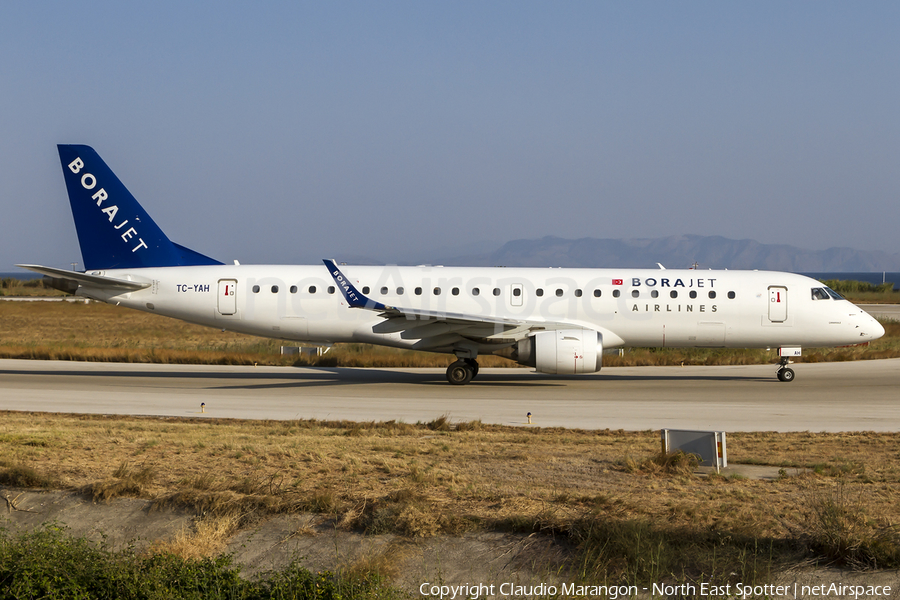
(709, 446)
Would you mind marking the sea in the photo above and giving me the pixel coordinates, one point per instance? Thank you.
(876, 278)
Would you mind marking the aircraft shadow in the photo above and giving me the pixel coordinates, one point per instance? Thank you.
(339, 376)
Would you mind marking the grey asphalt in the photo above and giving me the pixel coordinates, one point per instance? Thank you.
(850, 396)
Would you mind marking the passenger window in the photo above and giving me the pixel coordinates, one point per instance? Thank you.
(539, 292)
(312, 289)
(330, 289)
(673, 294)
(712, 295)
(496, 291)
(418, 291)
(399, 291)
(578, 293)
(475, 291)
(693, 294)
(597, 293)
(635, 293)
(616, 293)
(731, 295)
(559, 293)
(365, 289)
(384, 291)
(293, 289)
(437, 291)
(274, 289)
(455, 291)
(654, 293)
(517, 292)
(255, 289)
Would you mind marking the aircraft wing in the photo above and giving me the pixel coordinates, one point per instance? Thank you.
(415, 323)
(95, 281)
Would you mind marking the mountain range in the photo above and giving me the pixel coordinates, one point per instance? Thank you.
(675, 252)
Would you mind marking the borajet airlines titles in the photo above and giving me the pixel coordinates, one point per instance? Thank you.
(674, 308)
(668, 282)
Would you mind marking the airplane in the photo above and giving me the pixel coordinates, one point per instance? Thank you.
(556, 320)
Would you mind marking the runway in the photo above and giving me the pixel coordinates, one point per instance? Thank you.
(851, 396)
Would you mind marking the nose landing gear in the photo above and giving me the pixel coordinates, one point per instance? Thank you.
(785, 373)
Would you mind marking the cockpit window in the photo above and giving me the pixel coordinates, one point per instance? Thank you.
(820, 294)
(834, 294)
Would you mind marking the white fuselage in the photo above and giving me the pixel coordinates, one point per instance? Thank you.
(629, 307)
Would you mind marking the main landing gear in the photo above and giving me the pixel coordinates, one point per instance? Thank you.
(785, 373)
(462, 371)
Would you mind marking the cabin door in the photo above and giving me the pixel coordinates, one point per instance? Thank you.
(777, 304)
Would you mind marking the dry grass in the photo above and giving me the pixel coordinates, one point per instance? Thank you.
(125, 481)
(10, 286)
(207, 537)
(420, 481)
(383, 561)
(633, 514)
(666, 463)
(17, 475)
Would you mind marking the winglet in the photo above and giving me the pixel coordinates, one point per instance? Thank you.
(353, 296)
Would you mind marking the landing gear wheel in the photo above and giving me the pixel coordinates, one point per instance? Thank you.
(473, 364)
(460, 373)
(785, 374)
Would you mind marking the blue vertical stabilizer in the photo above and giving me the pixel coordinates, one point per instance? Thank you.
(114, 231)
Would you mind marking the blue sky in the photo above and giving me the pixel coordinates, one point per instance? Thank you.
(288, 132)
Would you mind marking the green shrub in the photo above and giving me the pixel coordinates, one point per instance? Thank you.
(47, 563)
(852, 287)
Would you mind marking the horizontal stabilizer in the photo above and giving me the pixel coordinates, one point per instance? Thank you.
(94, 281)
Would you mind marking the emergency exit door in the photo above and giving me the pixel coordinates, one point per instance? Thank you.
(778, 309)
(227, 296)
(516, 294)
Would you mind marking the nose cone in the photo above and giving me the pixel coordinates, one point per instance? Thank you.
(876, 330)
(869, 328)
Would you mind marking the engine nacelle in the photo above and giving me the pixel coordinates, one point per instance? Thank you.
(562, 352)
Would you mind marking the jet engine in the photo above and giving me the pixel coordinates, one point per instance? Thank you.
(562, 352)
